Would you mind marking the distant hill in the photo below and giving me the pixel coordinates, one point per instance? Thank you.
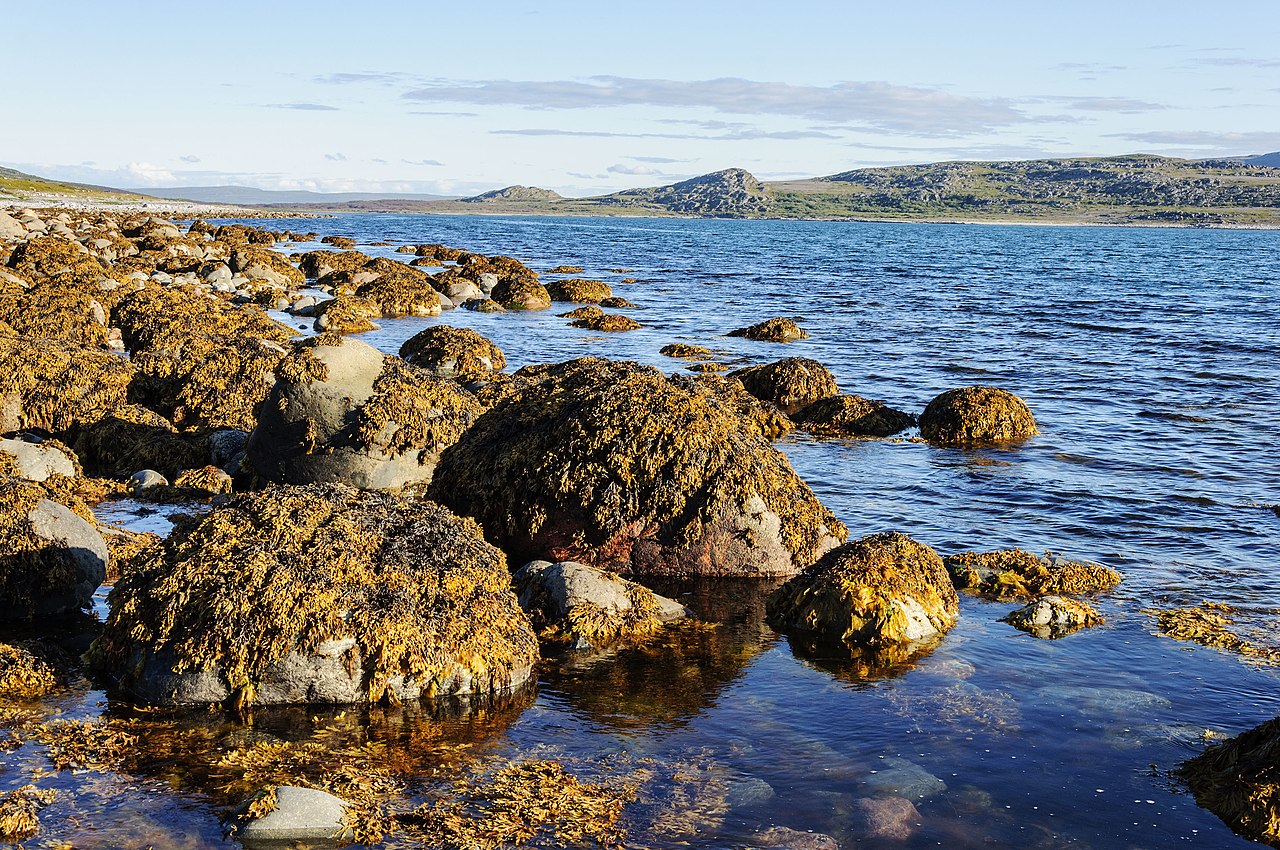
(247, 195)
(19, 186)
(732, 193)
(1267, 160)
(515, 193)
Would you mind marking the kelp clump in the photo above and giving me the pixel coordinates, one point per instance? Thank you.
(977, 416)
(579, 291)
(1012, 574)
(54, 313)
(613, 465)
(607, 323)
(777, 329)
(320, 593)
(881, 590)
(24, 674)
(1213, 624)
(1239, 781)
(757, 416)
(453, 353)
(791, 384)
(20, 810)
(48, 386)
(131, 437)
(852, 416)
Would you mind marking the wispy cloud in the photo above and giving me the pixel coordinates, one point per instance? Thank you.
(1123, 105)
(1237, 62)
(747, 135)
(874, 105)
(191, 158)
(444, 114)
(631, 169)
(422, 162)
(657, 160)
(336, 157)
(304, 107)
(341, 79)
(1209, 140)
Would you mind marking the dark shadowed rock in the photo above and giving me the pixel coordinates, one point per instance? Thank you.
(852, 416)
(791, 384)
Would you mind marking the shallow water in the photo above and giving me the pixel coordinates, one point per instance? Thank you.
(1149, 358)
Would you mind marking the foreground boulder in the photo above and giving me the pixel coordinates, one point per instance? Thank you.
(791, 384)
(777, 329)
(977, 416)
(343, 412)
(51, 560)
(852, 417)
(318, 594)
(1016, 574)
(581, 605)
(1239, 781)
(613, 465)
(453, 353)
(47, 386)
(882, 589)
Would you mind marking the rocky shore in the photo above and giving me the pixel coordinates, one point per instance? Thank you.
(377, 530)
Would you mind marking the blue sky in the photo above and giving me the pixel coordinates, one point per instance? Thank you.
(589, 97)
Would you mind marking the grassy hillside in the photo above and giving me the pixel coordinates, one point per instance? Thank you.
(17, 186)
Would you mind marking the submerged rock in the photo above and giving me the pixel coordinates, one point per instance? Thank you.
(977, 416)
(791, 384)
(776, 329)
(882, 589)
(299, 814)
(890, 816)
(453, 353)
(1054, 617)
(320, 594)
(851, 416)
(785, 838)
(574, 603)
(341, 411)
(613, 465)
(1239, 781)
(903, 778)
(1010, 574)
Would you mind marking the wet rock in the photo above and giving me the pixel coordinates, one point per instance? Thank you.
(589, 312)
(562, 269)
(613, 465)
(892, 817)
(785, 838)
(852, 417)
(680, 349)
(344, 242)
(484, 305)
(319, 264)
(977, 416)
(607, 323)
(36, 460)
(616, 303)
(1054, 617)
(573, 603)
(317, 594)
(882, 589)
(300, 814)
(1239, 781)
(399, 290)
(60, 389)
(341, 411)
(748, 791)
(772, 330)
(1008, 574)
(130, 437)
(257, 264)
(146, 479)
(579, 291)
(791, 384)
(347, 314)
(521, 294)
(204, 482)
(903, 778)
(51, 560)
(453, 353)
(1214, 624)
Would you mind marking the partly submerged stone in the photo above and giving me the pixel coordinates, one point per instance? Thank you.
(791, 383)
(574, 603)
(321, 594)
(852, 417)
(347, 314)
(341, 411)
(613, 465)
(453, 353)
(1054, 616)
(579, 291)
(1010, 574)
(883, 589)
(299, 814)
(681, 349)
(521, 293)
(607, 323)
(1239, 781)
(977, 416)
(777, 329)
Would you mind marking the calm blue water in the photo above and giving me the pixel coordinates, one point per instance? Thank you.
(1151, 359)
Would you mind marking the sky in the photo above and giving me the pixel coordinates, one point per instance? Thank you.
(591, 97)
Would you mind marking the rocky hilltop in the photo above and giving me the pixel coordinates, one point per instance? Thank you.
(732, 193)
(515, 193)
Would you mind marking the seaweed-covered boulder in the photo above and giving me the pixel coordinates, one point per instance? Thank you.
(757, 416)
(51, 560)
(347, 314)
(977, 416)
(1054, 616)
(852, 416)
(680, 349)
(521, 293)
(573, 603)
(169, 318)
(453, 353)
(607, 323)
(777, 329)
(131, 437)
(579, 291)
(1239, 781)
(316, 264)
(317, 594)
(48, 386)
(791, 384)
(591, 311)
(259, 264)
(1016, 574)
(56, 313)
(883, 589)
(343, 242)
(612, 465)
(399, 290)
(343, 412)
(36, 460)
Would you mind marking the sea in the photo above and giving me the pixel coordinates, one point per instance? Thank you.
(1151, 360)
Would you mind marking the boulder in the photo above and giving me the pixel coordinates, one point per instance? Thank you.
(56, 313)
(316, 594)
(318, 264)
(791, 384)
(889, 817)
(48, 386)
(399, 290)
(260, 264)
(757, 416)
(35, 460)
(680, 349)
(453, 353)
(589, 312)
(146, 479)
(853, 417)
(519, 293)
(977, 416)
(881, 590)
(579, 291)
(1008, 574)
(343, 242)
(1239, 781)
(130, 437)
(786, 838)
(613, 465)
(573, 603)
(776, 329)
(607, 322)
(299, 814)
(51, 560)
(347, 314)
(1054, 617)
(340, 411)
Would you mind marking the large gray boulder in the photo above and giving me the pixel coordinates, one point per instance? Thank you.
(300, 814)
(51, 560)
(342, 412)
(36, 461)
